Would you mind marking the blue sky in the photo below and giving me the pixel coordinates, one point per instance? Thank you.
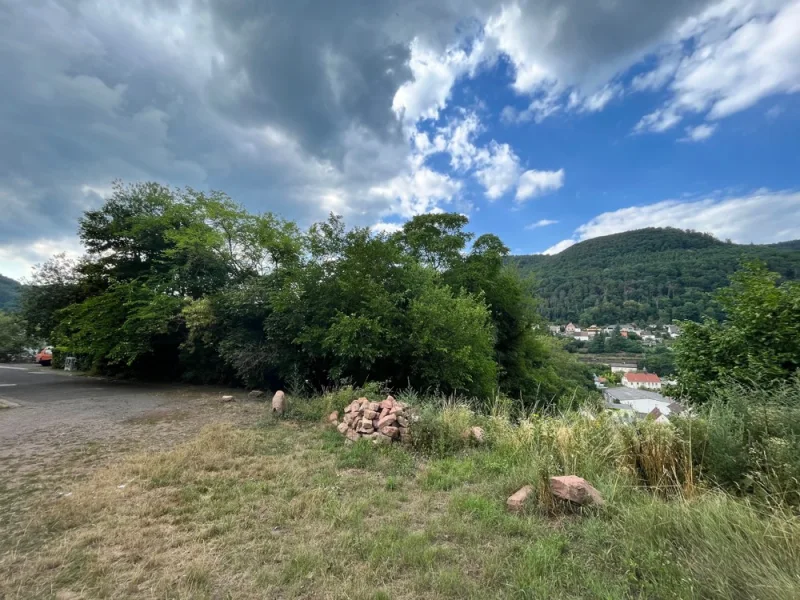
(546, 122)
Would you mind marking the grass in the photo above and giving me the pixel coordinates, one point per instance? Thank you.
(288, 510)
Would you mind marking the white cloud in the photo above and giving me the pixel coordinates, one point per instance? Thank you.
(417, 192)
(744, 52)
(382, 227)
(559, 247)
(499, 169)
(541, 223)
(699, 133)
(763, 217)
(535, 183)
(17, 261)
(433, 74)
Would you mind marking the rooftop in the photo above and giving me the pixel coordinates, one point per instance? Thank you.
(619, 394)
(642, 377)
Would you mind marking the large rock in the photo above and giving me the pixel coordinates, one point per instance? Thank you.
(352, 435)
(343, 428)
(370, 414)
(387, 420)
(375, 406)
(477, 434)
(516, 501)
(389, 431)
(333, 417)
(576, 490)
(256, 394)
(227, 399)
(388, 403)
(279, 402)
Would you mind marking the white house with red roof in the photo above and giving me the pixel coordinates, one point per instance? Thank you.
(647, 381)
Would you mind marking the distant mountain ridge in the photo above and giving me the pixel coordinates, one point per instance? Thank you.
(9, 293)
(654, 274)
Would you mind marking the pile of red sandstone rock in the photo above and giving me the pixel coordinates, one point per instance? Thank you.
(382, 422)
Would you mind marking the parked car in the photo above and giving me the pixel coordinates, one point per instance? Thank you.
(45, 356)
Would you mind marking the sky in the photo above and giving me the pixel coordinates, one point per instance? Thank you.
(546, 122)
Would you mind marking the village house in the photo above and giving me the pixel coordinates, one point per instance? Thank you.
(570, 328)
(673, 330)
(648, 381)
(555, 330)
(639, 404)
(593, 330)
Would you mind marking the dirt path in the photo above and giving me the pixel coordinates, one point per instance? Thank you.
(49, 444)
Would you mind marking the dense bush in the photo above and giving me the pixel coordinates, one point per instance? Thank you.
(186, 284)
(758, 342)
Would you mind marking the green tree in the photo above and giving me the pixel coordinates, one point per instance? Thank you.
(13, 337)
(660, 360)
(597, 345)
(758, 342)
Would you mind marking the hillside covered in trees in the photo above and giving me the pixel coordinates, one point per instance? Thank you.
(648, 275)
(9, 293)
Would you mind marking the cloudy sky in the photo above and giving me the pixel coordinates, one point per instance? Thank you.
(545, 121)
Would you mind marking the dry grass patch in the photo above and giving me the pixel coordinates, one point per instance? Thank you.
(287, 510)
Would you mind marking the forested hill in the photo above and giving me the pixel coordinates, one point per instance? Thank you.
(645, 275)
(9, 293)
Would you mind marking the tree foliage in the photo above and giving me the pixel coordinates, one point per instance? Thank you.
(757, 343)
(190, 284)
(13, 337)
(645, 276)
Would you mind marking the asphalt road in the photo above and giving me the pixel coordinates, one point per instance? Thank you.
(32, 384)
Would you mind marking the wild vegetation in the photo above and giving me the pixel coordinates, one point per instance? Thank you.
(286, 509)
(645, 276)
(756, 344)
(182, 284)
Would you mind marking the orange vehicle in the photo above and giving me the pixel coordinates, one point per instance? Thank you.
(45, 356)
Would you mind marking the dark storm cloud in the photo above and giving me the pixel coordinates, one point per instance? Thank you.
(278, 103)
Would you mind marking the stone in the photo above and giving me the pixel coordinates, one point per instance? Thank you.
(343, 428)
(396, 409)
(256, 394)
(403, 421)
(279, 402)
(227, 398)
(362, 401)
(375, 423)
(389, 430)
(333, 417)
(374, 406)
(384, 412)
(387, 420)
(516, 501)
(388, 403)
(370, 414)
(352, 435)
(353, 406)
(576, 490)
(477, 434)
(379, 438)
